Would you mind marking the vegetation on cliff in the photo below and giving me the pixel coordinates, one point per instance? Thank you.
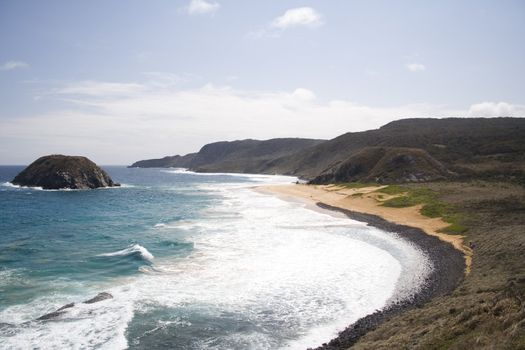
(408, 150)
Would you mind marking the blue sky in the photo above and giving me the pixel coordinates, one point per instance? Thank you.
(120, 81)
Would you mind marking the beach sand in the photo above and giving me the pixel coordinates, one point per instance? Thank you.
(366, 200)
(447, 254)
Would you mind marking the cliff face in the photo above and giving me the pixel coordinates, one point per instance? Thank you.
(408, 150)
(166, 162)
(248, 156)
(59, 172)
(386, 165)
(243, 156)
(488, 147)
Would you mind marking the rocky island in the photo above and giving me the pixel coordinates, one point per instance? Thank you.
(63, 172)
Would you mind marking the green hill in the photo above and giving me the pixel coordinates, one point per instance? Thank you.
(407, 150)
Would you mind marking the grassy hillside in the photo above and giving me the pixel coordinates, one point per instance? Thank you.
(247, 156)
(408, 150)
(467, 147)
(166, 162)
(243, 156)
(385, 165)
(487, 309)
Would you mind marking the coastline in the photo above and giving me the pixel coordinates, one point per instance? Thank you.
(367, 200)
(449, 263)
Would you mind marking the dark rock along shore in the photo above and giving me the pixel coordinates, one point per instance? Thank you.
(448, 271)
(53, 315)
(58, 171)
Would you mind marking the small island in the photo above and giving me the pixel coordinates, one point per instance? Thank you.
(58, 171)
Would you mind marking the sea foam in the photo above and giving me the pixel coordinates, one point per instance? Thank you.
(276, 275)
(39, 188)
(9, 184)
(135, 249)
(253, 177)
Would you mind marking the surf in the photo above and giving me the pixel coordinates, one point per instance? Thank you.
(135, 250)
(218, 266)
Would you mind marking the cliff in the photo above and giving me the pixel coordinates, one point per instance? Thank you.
(242, 156)
(166, 162)
(407, 150)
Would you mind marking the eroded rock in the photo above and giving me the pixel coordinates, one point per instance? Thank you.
(63, 172)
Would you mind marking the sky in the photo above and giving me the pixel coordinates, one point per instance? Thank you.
(120, 81)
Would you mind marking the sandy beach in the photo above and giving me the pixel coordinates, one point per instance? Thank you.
(449, 257)
(366, 200)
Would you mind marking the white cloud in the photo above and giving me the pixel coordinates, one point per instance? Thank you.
(103, 89)
(496, 109)
(301, 16)
(109, 118)
(168, 80)
(10, 65)
(416, 67)
(303, 94)
(201, 7)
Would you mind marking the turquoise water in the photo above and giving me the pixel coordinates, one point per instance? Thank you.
(46, 234)
(193, 262)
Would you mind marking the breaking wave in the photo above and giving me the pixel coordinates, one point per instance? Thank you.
(132, 250)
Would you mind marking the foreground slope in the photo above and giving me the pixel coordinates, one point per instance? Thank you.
(487, 309)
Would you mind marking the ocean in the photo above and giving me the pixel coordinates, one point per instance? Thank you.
(193, 261)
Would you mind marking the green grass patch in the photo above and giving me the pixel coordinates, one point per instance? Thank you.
(392, 190)
(454, 228)
(432, 207)
(357, 184)
(408, 197)
(435, 209)
(399, 202)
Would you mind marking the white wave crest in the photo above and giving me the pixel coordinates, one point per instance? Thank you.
(133, 249)
(38, 188)
(9, 184)
(272, 262)
(253, 177)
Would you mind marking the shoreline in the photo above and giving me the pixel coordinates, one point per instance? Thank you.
(367, 200)
(449, 264)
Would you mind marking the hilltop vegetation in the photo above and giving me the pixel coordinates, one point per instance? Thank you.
(408, 150)
(243, 156)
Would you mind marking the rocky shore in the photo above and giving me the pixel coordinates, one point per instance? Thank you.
(448, 271)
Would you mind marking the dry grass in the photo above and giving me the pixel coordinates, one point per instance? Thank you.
(487, 310)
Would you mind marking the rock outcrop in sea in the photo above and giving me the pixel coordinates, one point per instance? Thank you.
(63, 172)
(52, 315)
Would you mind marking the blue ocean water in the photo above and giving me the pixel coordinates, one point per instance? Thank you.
(60, 233)
(193, 261)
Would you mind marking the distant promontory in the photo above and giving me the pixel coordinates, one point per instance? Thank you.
(63, 172)
(406, 150)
